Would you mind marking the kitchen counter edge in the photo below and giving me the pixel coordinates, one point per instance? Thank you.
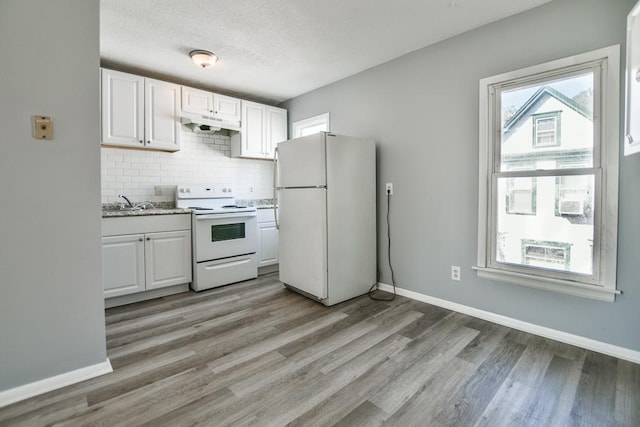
(143, 212)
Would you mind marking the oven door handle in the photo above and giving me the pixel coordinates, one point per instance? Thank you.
(226, 215)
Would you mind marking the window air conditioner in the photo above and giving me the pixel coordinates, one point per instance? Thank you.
(571, 207)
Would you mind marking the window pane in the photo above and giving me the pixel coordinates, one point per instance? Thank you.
(551, 227)
(549, 125)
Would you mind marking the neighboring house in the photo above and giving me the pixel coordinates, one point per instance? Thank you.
(549, 131)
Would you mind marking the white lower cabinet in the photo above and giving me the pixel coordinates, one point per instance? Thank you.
(267, 238)
(150, 259)
(123, 265)
(167, 258)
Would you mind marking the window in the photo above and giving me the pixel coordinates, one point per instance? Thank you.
(546, 129)
(315, 124)
(521, 196)
(549, 175)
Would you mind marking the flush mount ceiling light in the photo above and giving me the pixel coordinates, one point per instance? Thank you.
(203, 58)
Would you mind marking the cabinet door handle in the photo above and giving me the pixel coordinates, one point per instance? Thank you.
(140, 239)
(149, 142)
(141, 142)
(148, 238)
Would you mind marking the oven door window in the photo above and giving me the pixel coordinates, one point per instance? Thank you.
(220, 233)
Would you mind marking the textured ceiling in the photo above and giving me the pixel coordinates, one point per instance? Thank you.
(274, 50)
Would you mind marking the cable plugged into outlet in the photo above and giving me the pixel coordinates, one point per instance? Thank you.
(455, 273)
(389, 188)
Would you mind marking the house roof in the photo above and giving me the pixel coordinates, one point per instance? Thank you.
(541, 94)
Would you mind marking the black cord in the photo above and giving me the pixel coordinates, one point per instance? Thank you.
(374, 287)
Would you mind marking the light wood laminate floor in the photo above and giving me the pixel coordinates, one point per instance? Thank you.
(255, 353)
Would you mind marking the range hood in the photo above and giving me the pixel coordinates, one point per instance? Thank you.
(204, 123)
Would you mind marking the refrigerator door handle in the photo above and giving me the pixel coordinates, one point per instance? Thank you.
(275, 187)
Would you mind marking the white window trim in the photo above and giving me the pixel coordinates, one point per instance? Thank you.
(605, 288)
(319, 120)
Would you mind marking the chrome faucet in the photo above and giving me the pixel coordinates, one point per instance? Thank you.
(122, 196)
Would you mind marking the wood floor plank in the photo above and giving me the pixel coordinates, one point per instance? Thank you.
(222, 346)
(489, 336)
(627, 405)
(256, 353)
(424, 405)
(548, 393)
(397, 392)
(388, 322)
(356, 316)
(431, 316)
(72, 407)
(365, 415)
(594, 403)
(310, 394)
(352, 395)
(470, 402)
(513, 397)
(302, 359)
(269, 344)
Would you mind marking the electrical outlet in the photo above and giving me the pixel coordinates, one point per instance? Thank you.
(389, 188)
(455, 273)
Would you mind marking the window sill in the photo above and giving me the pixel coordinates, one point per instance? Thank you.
(548, 284)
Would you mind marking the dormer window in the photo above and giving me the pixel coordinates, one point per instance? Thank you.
(546, 129)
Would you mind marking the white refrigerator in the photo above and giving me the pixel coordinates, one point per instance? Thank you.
(326, 201)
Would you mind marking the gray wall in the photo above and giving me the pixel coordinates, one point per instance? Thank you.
(422, 109)
(51, 306)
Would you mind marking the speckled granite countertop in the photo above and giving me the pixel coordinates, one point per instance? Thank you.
(168, 208)
(113, 210)
(256, 203)
(106, 213)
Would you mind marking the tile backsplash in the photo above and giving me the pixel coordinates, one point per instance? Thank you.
(144, 175)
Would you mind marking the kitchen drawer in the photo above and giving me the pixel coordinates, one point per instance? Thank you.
(114, 226)
(265, 215)
(224, 271)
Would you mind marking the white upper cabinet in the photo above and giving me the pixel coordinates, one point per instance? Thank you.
(221, 108)
(276, 130)
(252, 129)
(139, 112)
(162, 107)
(122, 109)
(197, 101)
(226, 108)
(262, 127)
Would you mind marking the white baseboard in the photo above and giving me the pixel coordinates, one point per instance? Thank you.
(26, 391)
(565, 337)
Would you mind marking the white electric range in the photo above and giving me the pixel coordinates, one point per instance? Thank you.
(224, 235)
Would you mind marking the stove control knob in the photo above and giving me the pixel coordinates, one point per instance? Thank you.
(224, 190)
(188, 190)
